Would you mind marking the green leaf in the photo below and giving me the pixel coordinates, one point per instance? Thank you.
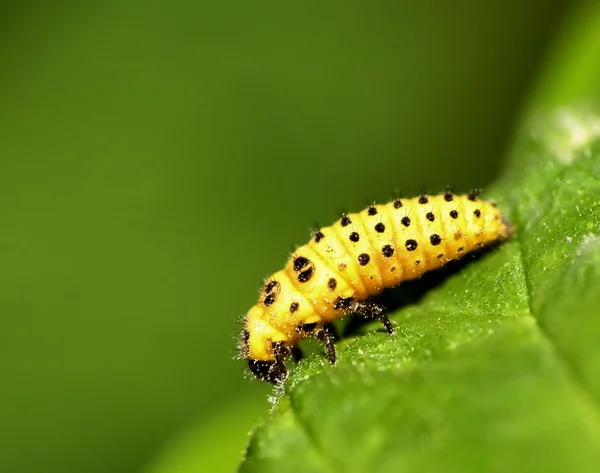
(495, 365)
(494, 369)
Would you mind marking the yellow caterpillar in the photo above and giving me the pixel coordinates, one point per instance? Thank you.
(357, 257)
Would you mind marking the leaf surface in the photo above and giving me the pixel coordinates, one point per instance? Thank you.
(495, 368)
(495, 365)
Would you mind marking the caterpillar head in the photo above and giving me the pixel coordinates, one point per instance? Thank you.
(258, 347)
(271, 371)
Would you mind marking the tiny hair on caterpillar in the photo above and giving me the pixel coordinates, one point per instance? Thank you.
(344, 265)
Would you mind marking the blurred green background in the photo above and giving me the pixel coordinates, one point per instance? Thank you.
(157, 160)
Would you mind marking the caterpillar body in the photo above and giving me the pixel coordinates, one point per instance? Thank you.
(346, 264)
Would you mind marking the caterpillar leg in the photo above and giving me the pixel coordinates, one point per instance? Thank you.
(281, 352)
(323, 333)
(273, 371)
(296, 353)
(373, 310)
(332, 329)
